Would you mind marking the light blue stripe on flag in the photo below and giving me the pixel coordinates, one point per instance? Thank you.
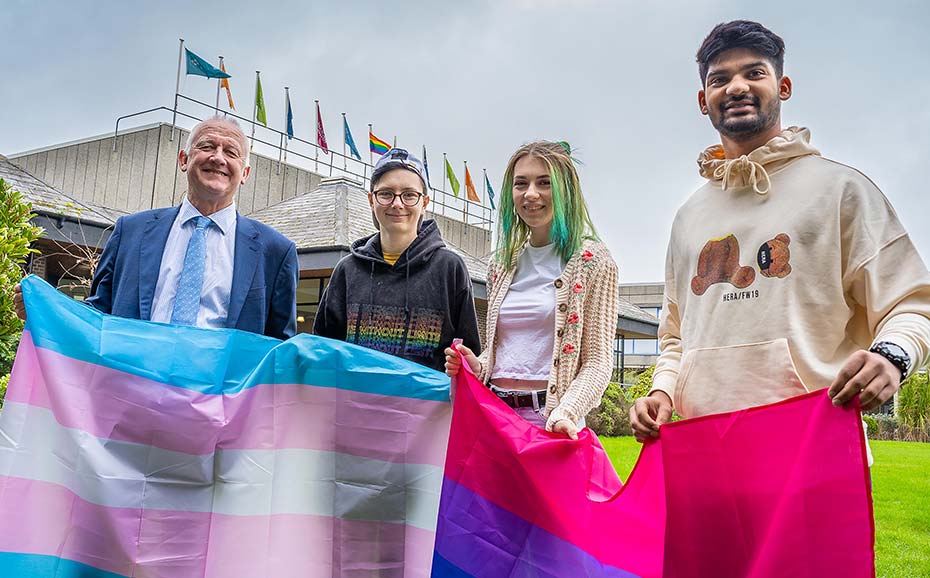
(40, 566)
(217, 361)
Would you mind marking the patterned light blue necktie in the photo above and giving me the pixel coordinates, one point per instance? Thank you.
(187, 298)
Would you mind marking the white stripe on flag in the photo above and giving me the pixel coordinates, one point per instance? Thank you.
(238, 482)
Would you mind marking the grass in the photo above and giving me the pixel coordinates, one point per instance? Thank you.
(900, 494)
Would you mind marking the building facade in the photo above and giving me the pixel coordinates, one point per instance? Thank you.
(79, 189)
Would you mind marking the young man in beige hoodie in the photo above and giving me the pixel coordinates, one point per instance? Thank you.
(786, 272)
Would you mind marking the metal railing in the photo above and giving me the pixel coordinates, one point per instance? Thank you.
(305, 154)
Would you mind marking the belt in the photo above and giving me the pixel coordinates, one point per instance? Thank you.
(522, 398)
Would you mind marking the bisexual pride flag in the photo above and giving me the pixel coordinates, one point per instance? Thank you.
(770, 492)
(130, 448)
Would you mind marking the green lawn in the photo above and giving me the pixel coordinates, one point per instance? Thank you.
(900, 493)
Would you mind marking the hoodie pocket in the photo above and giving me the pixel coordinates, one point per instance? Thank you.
(722, 379)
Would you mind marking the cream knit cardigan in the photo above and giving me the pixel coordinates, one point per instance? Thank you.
(586, 302)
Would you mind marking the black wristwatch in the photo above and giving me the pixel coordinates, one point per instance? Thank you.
(895, 354)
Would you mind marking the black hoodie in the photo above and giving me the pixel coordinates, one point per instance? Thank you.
(412, 309)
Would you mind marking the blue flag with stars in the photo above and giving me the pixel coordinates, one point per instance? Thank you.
(349, 140)
(487, 183)
(200, 67)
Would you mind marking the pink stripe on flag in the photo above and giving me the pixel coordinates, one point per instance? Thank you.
(42, 518)
(289, 546)
(112, 404)
(52, 521)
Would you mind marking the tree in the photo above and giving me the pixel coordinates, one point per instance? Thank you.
(17, 234)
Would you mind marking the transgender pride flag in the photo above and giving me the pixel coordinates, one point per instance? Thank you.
(139, 449)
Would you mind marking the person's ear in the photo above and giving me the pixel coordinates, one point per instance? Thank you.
(784, 88)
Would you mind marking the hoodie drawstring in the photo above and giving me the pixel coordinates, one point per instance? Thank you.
(407, 291)
(742, 165)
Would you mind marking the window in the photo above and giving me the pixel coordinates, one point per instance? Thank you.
(309, 292)
(644, 347)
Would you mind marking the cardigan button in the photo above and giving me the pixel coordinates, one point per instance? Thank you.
(555, 363)
(560, 332)
(552, 388)
(563, 307)
(558, 283)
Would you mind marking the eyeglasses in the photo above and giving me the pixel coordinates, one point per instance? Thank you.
(386, 198)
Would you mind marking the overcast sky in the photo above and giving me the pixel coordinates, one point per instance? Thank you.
(617, 79)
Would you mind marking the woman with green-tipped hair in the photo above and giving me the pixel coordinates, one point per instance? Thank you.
(552, 296)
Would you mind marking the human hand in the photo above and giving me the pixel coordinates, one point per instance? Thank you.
(454, 359)
(871, 376)
(19, 303)
(648, 413)
(567, 427)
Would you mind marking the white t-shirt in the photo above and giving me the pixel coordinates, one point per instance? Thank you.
(526, 324)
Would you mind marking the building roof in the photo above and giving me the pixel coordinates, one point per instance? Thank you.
(333, 216)
(47, 200)
(631, 311)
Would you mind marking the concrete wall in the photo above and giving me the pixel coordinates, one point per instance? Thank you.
(471, 239)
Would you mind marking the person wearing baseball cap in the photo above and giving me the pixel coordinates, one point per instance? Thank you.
(401, 290)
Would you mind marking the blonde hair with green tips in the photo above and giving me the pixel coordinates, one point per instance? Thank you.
(571, 222)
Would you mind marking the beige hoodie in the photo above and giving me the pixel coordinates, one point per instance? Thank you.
(778, 269)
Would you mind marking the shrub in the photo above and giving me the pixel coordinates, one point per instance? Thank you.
(913, 408)
(871, 426)
(612, 417)
(887, 427)
(16, 236)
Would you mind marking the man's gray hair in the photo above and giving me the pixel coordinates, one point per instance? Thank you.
(223, 121)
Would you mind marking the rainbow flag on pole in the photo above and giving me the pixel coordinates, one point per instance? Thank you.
(377, 145)
(130, 448)
(769, 492)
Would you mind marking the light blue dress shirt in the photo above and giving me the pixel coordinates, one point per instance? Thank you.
(218, 268)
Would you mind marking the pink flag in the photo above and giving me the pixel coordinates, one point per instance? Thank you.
(775, 491)
(320, 135)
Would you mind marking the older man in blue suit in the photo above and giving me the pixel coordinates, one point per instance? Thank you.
(202, 263)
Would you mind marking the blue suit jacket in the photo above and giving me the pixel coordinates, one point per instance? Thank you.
(263, 298)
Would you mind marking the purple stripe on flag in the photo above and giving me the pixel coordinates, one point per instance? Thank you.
(482, 539)
(50, 520)
(108, 403)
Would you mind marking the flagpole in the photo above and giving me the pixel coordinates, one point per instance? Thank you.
(370, 159)
(484, 173)
(287, 107)
(395, 142)
(465, 205)
(316, 151)
(254, 112)
(219, 82)
(177, 88)
(345, 161)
